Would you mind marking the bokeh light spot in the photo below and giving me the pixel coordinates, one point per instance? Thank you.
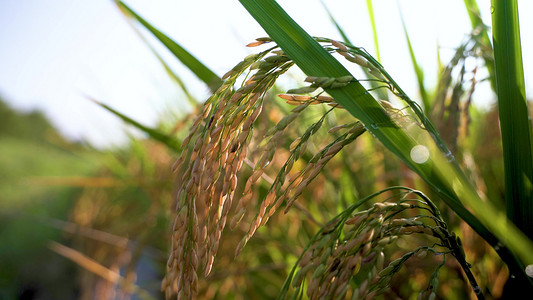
(529, 271)
(420, 154)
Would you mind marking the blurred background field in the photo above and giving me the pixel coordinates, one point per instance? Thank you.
(86, 197)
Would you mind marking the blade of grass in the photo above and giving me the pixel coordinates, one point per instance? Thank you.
(443, 176)
(418, 70)
(514, 118)
(167, 68)
(439, 60)
(382, 94)
(374, 27)
(477, 24)
(190, 98)
(335, 23)
(198, 68)
(169, 141)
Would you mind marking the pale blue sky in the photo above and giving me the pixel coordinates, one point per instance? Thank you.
(53, 52)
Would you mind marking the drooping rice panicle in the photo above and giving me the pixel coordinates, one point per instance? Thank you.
(213, 153)
(353, 241)
(216, 149)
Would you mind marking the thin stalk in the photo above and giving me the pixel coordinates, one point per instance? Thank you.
(199, 69)
(339, 28)
(382, 94)
(477, 24)
(169, 141)
(418, 70)
(192, 101)
(374, 27)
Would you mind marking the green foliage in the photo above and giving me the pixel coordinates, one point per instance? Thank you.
(155, 134)
(418, 70)
(30, 126)
(199, 69)
(514, 116)
(345, 212)
(32, 152)
(30, 148)
(374, 27)
(515, 122)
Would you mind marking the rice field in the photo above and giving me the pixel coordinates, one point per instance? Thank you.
(342, 186)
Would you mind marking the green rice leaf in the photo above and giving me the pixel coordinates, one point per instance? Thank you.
(167, 68)
(374, 27)
(381, 92)
(418, 70)
(169, 141)
(477, 24)
(514, 118)
(191, 62)
(335, 23)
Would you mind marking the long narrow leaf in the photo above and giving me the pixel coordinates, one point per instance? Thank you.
(335, 23)
(444, 177)
(167, 68)
(514, 123)
(477, 24)
(199, 69)
(418, 70)
(374, 27)
(381, 92)
(153, 133)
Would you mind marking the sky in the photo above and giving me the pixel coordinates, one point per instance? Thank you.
(56, 53)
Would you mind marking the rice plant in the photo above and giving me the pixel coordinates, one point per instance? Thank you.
(222, 136)
(341, 187)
